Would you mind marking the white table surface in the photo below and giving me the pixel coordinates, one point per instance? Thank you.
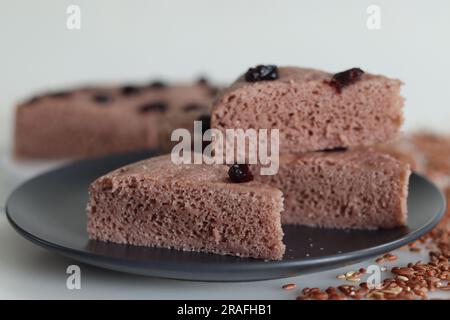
(30, 272)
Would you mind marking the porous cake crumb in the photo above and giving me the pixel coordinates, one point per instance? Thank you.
(361, 189)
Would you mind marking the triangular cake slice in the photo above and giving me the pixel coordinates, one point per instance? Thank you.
(313, 110)
(190, 207)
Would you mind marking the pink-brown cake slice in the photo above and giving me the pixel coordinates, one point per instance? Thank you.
(81, 123)
(361, 189)
(311, 111)
(103, 120)
(188, 207)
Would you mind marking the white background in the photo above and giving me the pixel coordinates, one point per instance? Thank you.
(140, 40)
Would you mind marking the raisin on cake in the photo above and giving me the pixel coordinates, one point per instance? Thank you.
(188, 207)
(361, 189)
(314, 110)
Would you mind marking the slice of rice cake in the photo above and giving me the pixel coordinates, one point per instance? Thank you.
(188, 207)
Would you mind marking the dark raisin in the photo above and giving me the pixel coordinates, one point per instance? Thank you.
(203, 81)
(130, 90)
(261, 73)
(206, 122)
(102, 98)
(59, 94)
(345, 78)
(192, 107)
(157, 84)
(240, 173)
(157, 106)
(338, 149)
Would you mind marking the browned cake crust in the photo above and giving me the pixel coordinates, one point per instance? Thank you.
(188, 207)
(360, 189)
(310, 114)
(104, 120)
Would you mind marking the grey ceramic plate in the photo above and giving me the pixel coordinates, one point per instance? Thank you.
(49, 210)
